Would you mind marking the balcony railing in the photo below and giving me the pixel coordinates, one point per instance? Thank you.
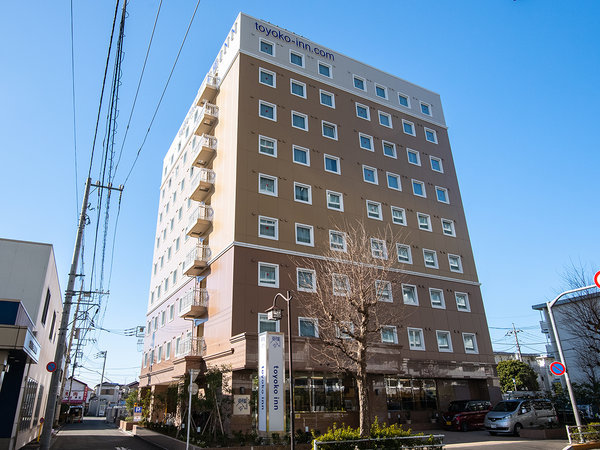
(208, 89)
(196, 261)
(205, 118)
(194, 304)
(191, 347)
(202, 184)
(200, 221)
(204, 150)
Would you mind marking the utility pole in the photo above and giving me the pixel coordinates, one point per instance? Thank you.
(515, 331)
(100, 355)
(53, 393)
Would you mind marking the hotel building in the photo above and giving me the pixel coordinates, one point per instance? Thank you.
(285, 141)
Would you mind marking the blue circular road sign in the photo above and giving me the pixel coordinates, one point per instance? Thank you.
(557, 368)
(51, 366)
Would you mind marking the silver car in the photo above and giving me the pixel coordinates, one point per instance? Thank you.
(510, 416)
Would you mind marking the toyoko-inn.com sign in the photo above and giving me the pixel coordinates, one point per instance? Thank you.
(271, 383)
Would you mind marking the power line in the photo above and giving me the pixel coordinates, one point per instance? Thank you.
(163, 93)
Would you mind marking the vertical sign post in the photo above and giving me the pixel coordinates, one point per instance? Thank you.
(271, 383)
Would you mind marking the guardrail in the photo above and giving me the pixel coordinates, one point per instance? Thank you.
(583, 434)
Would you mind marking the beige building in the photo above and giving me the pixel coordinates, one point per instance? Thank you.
(285, 141)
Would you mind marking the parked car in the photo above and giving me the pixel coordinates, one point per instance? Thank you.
(511, 416)
(465, 415)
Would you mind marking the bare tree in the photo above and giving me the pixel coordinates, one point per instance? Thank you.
(352, 302)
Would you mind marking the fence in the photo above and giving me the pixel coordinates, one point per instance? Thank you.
(583, 434)
(429, 442)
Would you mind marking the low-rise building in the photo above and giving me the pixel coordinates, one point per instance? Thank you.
(105, 395)
(540, 363)
(75, 392)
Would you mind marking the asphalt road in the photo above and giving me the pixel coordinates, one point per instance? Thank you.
(481, 439)
(95, 434)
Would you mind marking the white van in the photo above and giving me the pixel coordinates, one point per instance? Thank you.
(511, 416)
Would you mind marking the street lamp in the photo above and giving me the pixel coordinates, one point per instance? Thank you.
(275, 313)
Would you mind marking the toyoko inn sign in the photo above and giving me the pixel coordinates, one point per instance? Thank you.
(271, 383)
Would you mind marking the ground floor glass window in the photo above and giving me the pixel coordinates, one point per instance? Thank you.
(410, 394)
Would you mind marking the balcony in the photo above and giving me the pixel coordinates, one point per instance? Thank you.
(196, 261)
(209, 89)
(194, 304)
(190, 347)
(205, 118)
(203, 185)
(204, 150)
(200, 221)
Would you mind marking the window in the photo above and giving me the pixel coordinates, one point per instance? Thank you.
(437, 298)
(327, 98)
(159, 354)
(441, 194)
(431, 135)
(436, 164)
(389, 334)
(359, 83)
(308, 327)
(470, 342)
(46, 306)
(426, 108)
(381, 91)
(341, 284)
(462, 301)
(419, 188)
(404, 254)
(365, 141)
(267, 146)
(325, 69)
(296, 58)
(171, 313)
(300, 121)
(332, 164)
(52, 324)
(264, 324)
(383, 290)
(301, 155)
(177, 243)
(267, 110)
(298, 88)
(378, 249)
(267, 77)
(306, 280)
(335, 200)
(404, 100)
(329, 130)
(370, 175)
(408, 127)
(455, 263)
(409, 294)
(385, 119)
(343, 329)
(415, 339)
(267, 47)
(362, 111)
(267, 185)
(304, 235)
(393, 181)
(174, 277)
(413, 157)
(374, 210)
(444, 341)
(430, 258)
(168, 350)
(424, 222)
(302, 193)
(337, 240)
(268, 227)
(268, 274)
(389, 149)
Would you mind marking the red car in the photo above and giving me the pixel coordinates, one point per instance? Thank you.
(464, 415)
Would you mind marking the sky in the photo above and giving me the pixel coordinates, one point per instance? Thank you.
(518, 82)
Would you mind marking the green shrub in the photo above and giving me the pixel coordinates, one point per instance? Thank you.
(594, 429)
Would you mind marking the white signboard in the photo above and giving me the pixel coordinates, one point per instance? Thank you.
(241, 405)
(271, 383)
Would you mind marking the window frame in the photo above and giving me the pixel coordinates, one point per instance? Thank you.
(467, 307)
(275, 227)
(435, 138)
(385, 91)
(264, 102)
(393, 146)
(364, 83)
(416, 292)
(452, 226)
(314, 280)
(315, 324)
(275, 185)
(347, 283)
(384, 254)
(324, 123)
(430, 228)
(272, 44)
(389, 116)
(301, 56)
(375, 175)
(321, 92)
(397, 177)
(449, 335)
(422, 334)
(406, 246)
(274, 141)
(369, 138)
(422, 184)
(341, 208)
(321, 63)
(439, 189)
(407, 122)
(394, 330)
(475, 350)
(337, 159)
(407, 97)
(388, 284)
(439, 160)
(410, 151)
(299, 83)
(276, 281)
(435, 259)
(344, 241)
(460, 264)
(312, 234)
(305, 116)
(443, 300)
(263, 317)
(309, 202)
(270, 72)
(365, 107)
(428, 106)
(379, 208)
(294, 147)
